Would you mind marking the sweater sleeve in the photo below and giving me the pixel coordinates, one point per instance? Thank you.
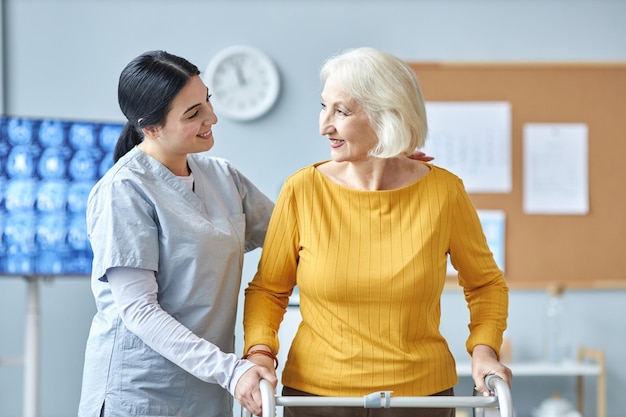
(484, 286)
(267, 296)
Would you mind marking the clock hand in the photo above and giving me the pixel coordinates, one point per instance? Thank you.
(240, 78)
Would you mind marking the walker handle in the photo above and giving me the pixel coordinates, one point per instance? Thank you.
(503, 392)
(493, 382)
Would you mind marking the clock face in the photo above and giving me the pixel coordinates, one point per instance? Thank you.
(243, 83)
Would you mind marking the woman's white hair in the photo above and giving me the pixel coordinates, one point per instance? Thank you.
(388, 90)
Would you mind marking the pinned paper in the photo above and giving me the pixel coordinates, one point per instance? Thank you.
(473, 141)
(556, 168)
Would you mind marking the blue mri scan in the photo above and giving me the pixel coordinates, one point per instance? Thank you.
(47, 169)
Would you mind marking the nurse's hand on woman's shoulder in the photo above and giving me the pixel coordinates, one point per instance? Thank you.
(421, 156)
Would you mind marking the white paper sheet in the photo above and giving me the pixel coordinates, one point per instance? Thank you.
(556, 168)
(472, 140)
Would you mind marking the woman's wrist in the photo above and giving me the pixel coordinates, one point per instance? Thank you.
(484, 351)
(263, 352)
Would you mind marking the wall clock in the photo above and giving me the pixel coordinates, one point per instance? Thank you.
(243, 82)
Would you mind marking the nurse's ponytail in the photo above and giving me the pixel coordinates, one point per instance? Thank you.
(146, 89)
(129, 138)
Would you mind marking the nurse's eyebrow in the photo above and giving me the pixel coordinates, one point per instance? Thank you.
(191, 108)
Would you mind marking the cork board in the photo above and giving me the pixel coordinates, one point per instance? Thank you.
(579, 251)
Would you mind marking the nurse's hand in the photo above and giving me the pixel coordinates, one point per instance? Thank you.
(421, 156)
(247, 390)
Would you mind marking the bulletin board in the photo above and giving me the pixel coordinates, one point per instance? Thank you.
(578, 251)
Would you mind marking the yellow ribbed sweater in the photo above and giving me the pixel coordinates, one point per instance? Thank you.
(370, 267)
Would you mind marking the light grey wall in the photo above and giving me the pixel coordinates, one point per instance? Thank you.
(63, 58)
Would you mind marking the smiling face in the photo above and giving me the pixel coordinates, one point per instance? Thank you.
(187, 128)
(346, 125)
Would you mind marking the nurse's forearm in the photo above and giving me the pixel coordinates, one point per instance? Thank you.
(135, 293)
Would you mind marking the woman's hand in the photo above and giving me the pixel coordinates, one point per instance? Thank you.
(247, 391)
(485, 362)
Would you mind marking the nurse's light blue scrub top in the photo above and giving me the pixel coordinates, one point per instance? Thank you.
(140, 215)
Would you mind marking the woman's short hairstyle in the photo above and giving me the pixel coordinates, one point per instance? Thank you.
(388, 90)
(146, 89)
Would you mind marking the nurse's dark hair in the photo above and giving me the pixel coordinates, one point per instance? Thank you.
(146, 89)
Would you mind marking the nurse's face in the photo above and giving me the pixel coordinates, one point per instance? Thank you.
(188, 125)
